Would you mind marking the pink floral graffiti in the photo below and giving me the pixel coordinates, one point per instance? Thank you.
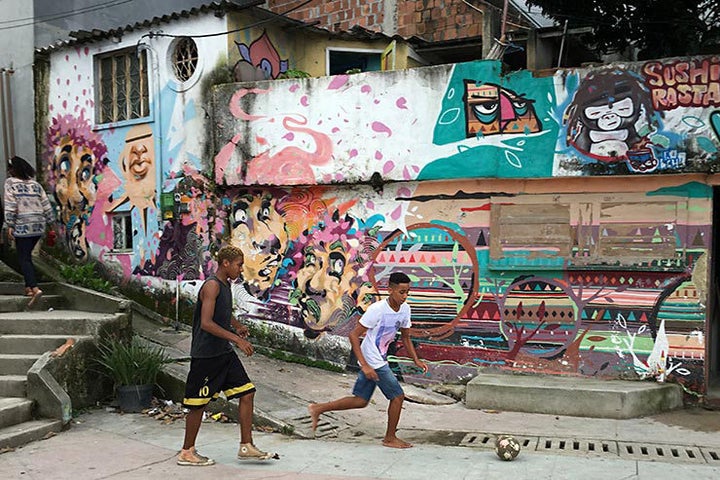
(291, 165)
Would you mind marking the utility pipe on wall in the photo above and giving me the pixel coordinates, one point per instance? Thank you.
(6, 113)
(3, 123)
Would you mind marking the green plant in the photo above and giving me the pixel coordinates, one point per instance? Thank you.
(85, 276)
(291, 73)
(131, 362)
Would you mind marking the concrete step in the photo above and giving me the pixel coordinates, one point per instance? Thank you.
(13, 385)
(71, 322)
(34, 344)
(582, 397)
(26, 432)
(16, 363)
(17, 288)
(17, 303)
(14, 411)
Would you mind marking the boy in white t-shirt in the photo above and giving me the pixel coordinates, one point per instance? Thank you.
(379, 325)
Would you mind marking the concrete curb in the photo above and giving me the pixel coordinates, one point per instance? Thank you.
(51, 399)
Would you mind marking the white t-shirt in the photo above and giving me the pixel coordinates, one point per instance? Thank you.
(383, 324)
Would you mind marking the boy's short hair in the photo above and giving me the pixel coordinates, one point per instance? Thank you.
(229, 253)
(397, 278)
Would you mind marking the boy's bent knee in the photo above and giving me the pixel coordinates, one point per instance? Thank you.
(360, 402)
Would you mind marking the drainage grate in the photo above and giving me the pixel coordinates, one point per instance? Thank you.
(712, 455)
(602, 448)
(325, 428)
(660, 453)
(487, 440)
(578, 446)
(328, 426)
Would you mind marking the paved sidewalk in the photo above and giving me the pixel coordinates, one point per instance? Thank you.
(285, 390)
(103, 445)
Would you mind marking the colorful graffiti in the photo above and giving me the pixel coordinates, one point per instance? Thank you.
(472, 306)
(610, 119)
(321, 183)
(260, 56)
(492, 109)
(77, 158)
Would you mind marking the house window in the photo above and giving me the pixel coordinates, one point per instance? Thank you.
(348, 61)
(122, 232)
(122, 92)
(184, 58)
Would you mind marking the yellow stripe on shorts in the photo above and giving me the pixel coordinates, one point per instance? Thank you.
(235, 391)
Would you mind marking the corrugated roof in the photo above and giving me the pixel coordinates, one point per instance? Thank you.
(533, 14)
(85, 36)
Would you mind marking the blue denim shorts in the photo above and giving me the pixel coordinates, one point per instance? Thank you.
(388, 383)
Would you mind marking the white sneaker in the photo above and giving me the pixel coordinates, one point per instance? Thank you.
(248, 451)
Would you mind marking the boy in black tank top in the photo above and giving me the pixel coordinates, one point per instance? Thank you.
(214, 366)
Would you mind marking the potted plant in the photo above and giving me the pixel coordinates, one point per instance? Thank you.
(134, 366)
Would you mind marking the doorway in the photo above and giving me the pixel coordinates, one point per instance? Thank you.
(713, 332)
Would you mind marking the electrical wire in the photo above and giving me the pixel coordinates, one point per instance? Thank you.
(246, 27)
(58, 16)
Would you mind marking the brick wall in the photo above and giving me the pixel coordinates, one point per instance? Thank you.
(433, 20)
(335, 15)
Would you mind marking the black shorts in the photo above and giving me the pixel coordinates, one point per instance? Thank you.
(210, 376)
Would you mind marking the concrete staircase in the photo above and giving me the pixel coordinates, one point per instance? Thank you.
(25, 336)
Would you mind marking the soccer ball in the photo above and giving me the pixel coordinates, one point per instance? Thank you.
(506, 447)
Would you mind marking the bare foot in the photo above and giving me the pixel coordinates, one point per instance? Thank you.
(37, 293)
(395, 442)
(58, 352)
(314, 416)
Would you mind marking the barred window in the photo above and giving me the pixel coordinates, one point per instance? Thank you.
(122, 232)
(184, 58)
(122, 86)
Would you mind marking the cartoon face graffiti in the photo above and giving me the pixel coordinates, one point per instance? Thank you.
(76, 159)
(491, 109)
(607, 113)
(258, 229)
(138, 164)
(329, 288)
(137, 161)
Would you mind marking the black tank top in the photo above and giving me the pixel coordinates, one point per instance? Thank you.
(204, 344)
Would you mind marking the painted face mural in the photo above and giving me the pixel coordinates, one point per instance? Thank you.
(77, 157)
(491, 109)
(330, 283)
(258, 229)
(610, 118)
(137, 161)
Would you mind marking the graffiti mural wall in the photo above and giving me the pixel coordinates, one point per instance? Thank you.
(471, 120)
(601, 283)
(109, 166)
(492, 191)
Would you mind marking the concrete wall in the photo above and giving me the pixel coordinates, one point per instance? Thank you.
(470, 120)
(526, 210)
(16, 55)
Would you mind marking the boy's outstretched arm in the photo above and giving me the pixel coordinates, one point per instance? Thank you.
(407, 341)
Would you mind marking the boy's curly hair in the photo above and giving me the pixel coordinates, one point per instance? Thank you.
(229, 253)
